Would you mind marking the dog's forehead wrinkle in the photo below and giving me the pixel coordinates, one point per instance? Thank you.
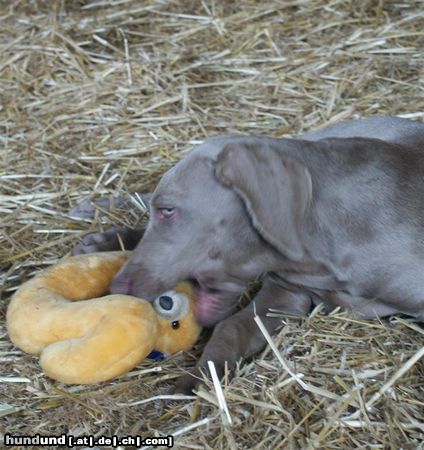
(164, 197)
(195, 185)
(184, 175)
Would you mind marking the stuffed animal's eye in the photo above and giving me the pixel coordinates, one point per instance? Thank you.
(172, 305)
(166, 302)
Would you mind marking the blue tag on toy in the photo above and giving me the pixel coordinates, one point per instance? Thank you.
(156, 355)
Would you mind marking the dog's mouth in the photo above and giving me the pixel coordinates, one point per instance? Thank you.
(210, 307)
(214, 304)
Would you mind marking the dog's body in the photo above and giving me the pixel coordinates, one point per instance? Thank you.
(335, 217)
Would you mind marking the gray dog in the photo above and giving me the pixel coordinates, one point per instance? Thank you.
(334, 217)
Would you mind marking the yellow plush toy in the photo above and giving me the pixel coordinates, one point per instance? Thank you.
(105, 335)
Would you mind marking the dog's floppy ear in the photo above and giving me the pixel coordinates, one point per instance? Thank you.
(275, 189)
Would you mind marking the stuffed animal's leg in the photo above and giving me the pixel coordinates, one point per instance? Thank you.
(103, 343)
(39, 311)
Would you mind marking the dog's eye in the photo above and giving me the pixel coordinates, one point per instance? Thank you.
(172, 305)
(166, 213)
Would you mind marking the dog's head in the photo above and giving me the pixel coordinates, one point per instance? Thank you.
(220, 217)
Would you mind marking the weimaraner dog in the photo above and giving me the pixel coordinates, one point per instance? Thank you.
(334, 216)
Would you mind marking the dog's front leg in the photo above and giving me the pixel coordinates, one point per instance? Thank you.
(240, 337)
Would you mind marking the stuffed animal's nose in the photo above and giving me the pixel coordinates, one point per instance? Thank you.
(121, 285)
(166, 302)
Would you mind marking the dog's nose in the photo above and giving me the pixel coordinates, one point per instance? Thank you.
(121, 285)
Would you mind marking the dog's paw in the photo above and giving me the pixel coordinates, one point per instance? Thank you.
(87, 208)
(187, 384)
(99, 242)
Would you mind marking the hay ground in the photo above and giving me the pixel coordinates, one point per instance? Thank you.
(102, 97)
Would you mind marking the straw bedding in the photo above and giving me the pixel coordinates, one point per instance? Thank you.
(102, 97)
